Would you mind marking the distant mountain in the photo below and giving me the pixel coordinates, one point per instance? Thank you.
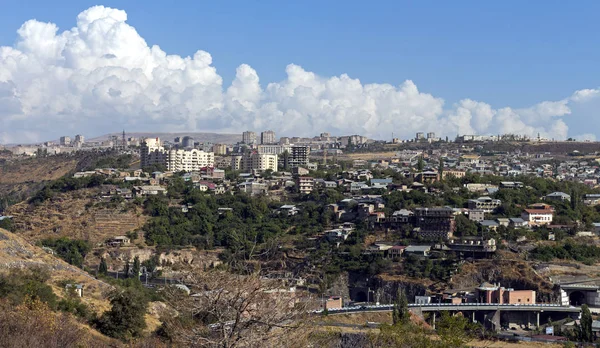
(215, 138)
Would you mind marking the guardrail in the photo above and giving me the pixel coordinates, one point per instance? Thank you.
(477, 306)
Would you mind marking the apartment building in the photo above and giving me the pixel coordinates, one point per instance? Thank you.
(299, 156)
(254, 162)
(65, 141)
(273, 149)
(305, 184)
(219, 149)
(435, 223)
(267, 137)
(249, 138)
(189, 160)
(153, 153)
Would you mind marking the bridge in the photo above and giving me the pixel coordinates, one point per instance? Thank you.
(488, 313)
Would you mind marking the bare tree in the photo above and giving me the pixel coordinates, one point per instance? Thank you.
(228, 310)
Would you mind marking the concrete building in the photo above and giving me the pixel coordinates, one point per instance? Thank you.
(284, 141)
(486, 204)
(305, 184)
(435, 223)
(299, 156)
(558, 196)
(189, 160)
(249, 138)
(476, 215)
(537, 217)
(267, 137)
(65, 140)
(419, 136)
(79, 139)
(152, 152)
(254, 162)
(187, 142)
(494, 293)
(273, 149)
(431, 135)
(219, 149)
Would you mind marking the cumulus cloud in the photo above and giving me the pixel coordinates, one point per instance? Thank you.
(101, 76)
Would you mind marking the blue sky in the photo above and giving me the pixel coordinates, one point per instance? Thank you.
(506, 53)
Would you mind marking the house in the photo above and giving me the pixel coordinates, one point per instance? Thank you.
(558, 196)
(118, 241)
(435, 223)
(485, 203)
(149, 190)
(476, 215)
(253, 188)
(591, 199)
(503, 221)
(76, 288)
(427, 177)
(518, 222)
(329, 184)
(511, 184)
(333, 302)
(536, 217)
(396, 251)
(418, 250)
(422, 299)
(380, 249)
(288, 210)
(489, 224)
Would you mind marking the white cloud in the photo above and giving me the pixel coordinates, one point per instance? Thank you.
(101, 76)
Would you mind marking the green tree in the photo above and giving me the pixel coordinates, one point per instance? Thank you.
(585, 326)
(454, 331)
(125, 320)
(400, 313)
(103, 267)
(126, 270)
(136, 267)
(441, 168)
(420, 164)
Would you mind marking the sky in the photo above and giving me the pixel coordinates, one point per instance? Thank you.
(299, 67)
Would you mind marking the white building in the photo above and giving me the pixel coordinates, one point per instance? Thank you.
(536, 217)
(254, 161)
(153, 153)
(189, 160)
(273, 149)
(66, 140)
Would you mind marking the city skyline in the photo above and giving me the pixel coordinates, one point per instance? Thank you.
(102, 72)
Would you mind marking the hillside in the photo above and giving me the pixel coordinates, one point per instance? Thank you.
(73, 215)
(16, 252)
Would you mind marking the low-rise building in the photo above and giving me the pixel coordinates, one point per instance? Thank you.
(485, 203)
(558, 196)
(536, 217)
(305, 184)
(149, 190)
(418, 250)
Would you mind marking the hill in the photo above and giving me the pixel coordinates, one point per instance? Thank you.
(216, 138)
(74, 215)
(16, 252)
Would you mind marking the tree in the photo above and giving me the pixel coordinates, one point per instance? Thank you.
(420, 164)
(136, 267)
(441, 168)
(126, 270)
(125, 320)
(400, 314)
(585, 326)
(454, 331)
(242, 311)
(286, 159)
(103, 267)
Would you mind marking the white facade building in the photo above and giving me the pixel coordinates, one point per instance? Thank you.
(189, 160)
(254, 161)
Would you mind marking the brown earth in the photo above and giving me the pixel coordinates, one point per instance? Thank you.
(66, 215)
(16, 252)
